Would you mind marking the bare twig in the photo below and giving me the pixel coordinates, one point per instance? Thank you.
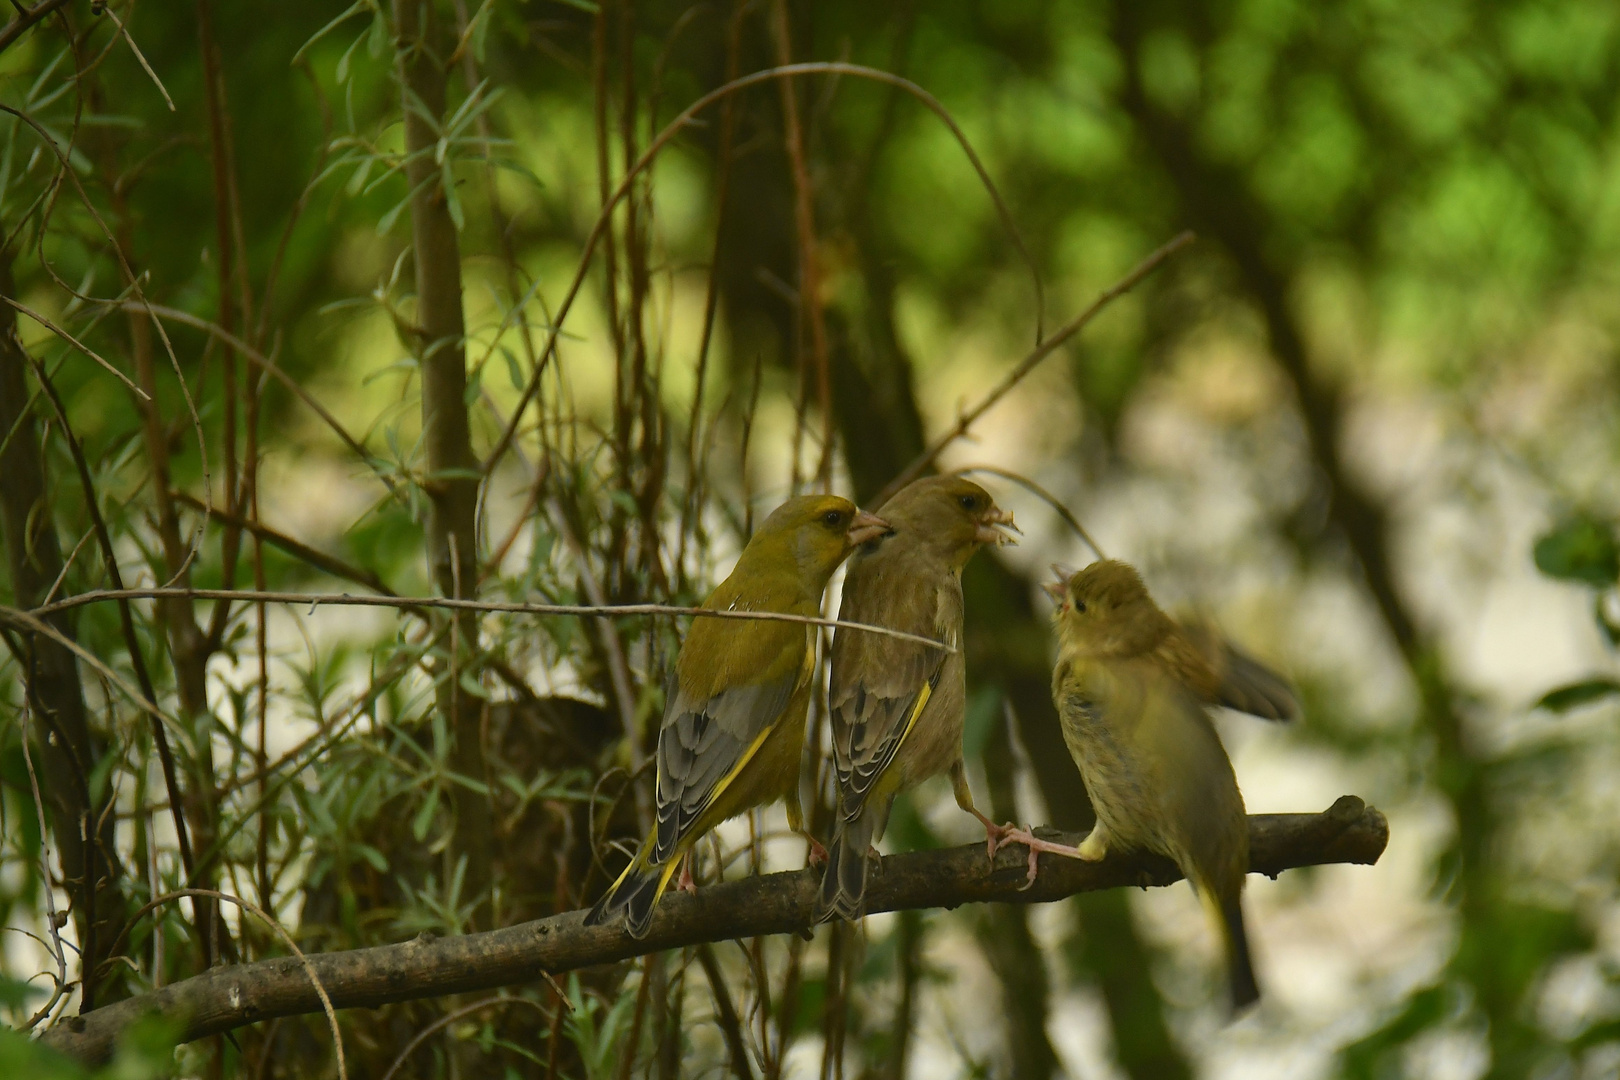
(725, 1014)
(25, 18)
(34, 625)
(52, 921)
(451, 1017)
(304, 962)
(136, 49)
(109, 558)
(1029, 363)
(269, 366)
(674, 127)
(77, 344)
(299, 550)
(600, 611)
(226, 998)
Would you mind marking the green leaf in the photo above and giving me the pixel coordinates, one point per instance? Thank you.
(352, 10)
(424, 815)
(378, 42)
(362, 173)
(385, 224)
(377, 859)
(513, 370)
(469, 682)
(1575, 695)
(1580, 548)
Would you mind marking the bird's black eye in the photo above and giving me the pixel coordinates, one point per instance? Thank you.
(1080, 605)
(968, 502)
(833, 519)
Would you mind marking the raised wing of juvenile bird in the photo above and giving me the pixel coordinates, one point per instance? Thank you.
(1131, 695)
(897, 706)
(733, 725)
(1239, 680)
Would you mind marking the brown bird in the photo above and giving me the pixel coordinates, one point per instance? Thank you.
(733, 726)
(897, 706)
(1132, 693)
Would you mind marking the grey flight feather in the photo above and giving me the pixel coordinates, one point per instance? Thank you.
(700, 742)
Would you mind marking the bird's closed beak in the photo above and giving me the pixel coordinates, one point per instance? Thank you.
(866, 527)
(993, 528)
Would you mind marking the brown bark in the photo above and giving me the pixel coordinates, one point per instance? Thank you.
(226, 998)
(1008, 944)
(67, 747)
(450, 477)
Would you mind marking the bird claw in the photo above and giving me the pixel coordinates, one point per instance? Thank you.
(1036, 845)
(686, 884)
(996, 837)
(1034, 865)
(817, 855)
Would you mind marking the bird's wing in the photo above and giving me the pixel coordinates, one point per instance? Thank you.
(1230, 677)
(1249, 686)
(709, 734)
(881, 685)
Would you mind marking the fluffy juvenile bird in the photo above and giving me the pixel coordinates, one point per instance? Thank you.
(733, 724)
(1131, 691)
(897, 706)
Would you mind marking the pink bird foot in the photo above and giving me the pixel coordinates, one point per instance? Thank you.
(1036, 845)
(995, 836)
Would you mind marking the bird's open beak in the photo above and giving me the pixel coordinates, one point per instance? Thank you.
(993, 528)
(1059, 589)
(866, 527)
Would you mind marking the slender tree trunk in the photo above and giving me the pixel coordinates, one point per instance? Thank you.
(450, 467)
(1008, 944)
(80, 821)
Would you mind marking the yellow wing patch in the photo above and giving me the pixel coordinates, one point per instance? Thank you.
(724, 782)
(923, 695)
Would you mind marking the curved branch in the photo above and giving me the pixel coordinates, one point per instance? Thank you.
(673, 128)
(226, 998)
(1028, 363)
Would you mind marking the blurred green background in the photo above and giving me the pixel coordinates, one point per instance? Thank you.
(1368, 423)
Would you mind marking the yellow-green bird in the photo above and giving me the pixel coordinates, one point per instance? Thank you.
(1132, 693)
(733, 725)
(897, 705)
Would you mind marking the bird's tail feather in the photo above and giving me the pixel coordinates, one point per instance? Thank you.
(634, 896)
(843, 882)
(1239, 966)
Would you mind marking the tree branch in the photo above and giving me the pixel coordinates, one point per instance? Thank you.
(1028, 363)
(25, 18)
(411, 603)
(230, 997)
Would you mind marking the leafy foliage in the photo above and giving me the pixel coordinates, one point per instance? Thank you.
(1390, 344)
